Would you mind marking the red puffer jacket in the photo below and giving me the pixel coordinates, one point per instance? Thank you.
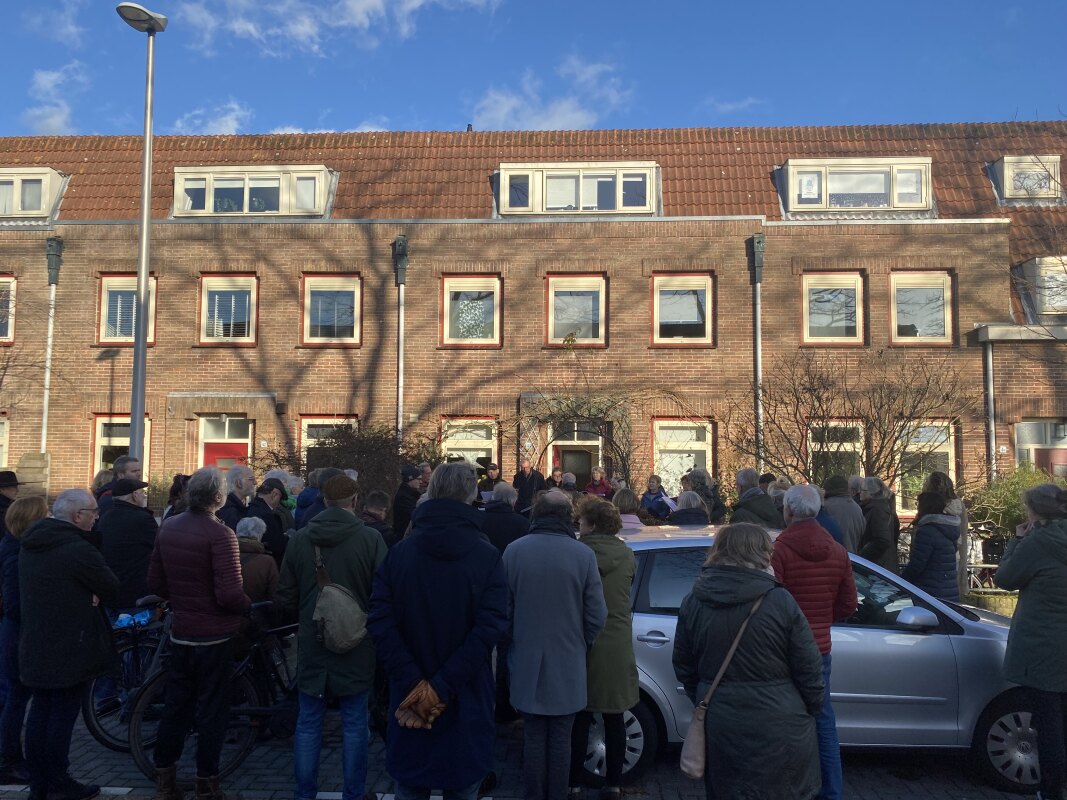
(816, 571)
(196, 565)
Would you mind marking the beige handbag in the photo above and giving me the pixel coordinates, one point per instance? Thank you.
(694, 754)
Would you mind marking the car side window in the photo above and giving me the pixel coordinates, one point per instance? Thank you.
(670, 578)
(879, 600)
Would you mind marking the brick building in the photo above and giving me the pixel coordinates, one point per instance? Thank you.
(537, 262)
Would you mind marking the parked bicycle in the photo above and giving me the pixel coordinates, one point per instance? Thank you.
(262, 701)
(140, 641)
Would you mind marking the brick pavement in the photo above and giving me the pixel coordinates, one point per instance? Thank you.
(267, 774)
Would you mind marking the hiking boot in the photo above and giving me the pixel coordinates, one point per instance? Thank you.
(208, 789)
(70, 789)
(167, 784)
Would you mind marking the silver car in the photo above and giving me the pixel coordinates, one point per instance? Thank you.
(909, 670)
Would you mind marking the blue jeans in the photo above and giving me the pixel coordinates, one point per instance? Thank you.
(413, 793)
(308, 742)
(829, 746)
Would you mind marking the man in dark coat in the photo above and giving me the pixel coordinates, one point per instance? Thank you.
(438, 609)
(242, 484)
(350, 553)
(127, 535)
(125, 467)
(374, 513)
(528, 482)
(754, 504)
(407, 495)
(880, 536)
(817, 572)
(268, 496)
(65, 639)
(491, 479)
(839, 504)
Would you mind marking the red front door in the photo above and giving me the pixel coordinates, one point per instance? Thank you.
(225, 454)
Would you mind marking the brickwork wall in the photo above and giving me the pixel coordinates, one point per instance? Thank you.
(92, 380)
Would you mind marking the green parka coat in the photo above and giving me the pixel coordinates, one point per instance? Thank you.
(611, 667)
(1036, 565)
(351, 552)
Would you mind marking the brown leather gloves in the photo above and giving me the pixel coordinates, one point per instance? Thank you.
(420, 708)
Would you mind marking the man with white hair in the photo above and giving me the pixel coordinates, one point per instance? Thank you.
(241, 482)
(817, 572)
(753, 503)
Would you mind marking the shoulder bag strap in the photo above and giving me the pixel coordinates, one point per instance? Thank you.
(730, 653)
(322, 577)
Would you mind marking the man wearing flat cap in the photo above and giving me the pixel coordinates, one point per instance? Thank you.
(127, 533)
(271, 494)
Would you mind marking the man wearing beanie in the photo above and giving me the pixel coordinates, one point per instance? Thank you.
(351, 552)
(839, 504)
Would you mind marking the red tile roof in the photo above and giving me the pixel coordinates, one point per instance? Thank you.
(435, 175)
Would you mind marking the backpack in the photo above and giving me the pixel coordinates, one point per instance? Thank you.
(340, 621)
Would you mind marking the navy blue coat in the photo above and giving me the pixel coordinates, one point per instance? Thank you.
(932, 566)
(9, 627)
(438, 609)
(830, 525)
(232, 512)
(308, 498)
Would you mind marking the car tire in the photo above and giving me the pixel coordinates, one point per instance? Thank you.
(1005, 745)
(642, 743)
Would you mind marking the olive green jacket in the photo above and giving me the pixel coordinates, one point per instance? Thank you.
(611, 667)
(1036, 565)
(351, 552)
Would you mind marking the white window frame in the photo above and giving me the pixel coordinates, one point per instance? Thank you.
(338, 283)
(210, 283)
(568, 283)
(1052, 301)
(5, 433)
(897, 168)
(1008, 166)
(110, 283)
(99, 441)
(832, 280)
(859, 447)
(10, 284)
(920, 280)
(454, 443)
(659, 446)
(948, 446)
(457, 283)
(50, 179)
(287, 189)
(306, 422)
(690, 281)
(538, 175)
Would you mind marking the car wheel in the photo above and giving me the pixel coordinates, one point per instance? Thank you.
(1005, 745)
(642, 742)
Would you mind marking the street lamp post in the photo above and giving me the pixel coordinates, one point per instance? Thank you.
(145, 21)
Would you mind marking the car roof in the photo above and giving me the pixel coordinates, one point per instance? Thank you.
(658, 537)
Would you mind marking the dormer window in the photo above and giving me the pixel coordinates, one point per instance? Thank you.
(857, 184)
(1029, 177)
(28, 191)
(250, 191)
(579, 188)
(1044, 280)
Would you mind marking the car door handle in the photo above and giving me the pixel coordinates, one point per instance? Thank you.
(653, 637)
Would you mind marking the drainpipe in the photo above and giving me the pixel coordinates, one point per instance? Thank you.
(758, 246)
(990, 407)
(54, 256)
(400, 265)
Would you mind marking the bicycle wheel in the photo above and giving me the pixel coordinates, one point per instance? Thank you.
(106, 701)
(242, 730)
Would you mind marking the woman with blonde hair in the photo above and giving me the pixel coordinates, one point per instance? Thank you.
(691, 510)
(599, 485)
(21, 514)
(703, 484)
(760, 721)
(100, 480)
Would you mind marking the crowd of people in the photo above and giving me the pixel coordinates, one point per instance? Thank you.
(460, 632)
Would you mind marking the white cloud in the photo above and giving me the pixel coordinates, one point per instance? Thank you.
(59, 23)
(733, 106)
(225, 119)
(51, 91)
(591, 90)
(282, 26)
(371, 124)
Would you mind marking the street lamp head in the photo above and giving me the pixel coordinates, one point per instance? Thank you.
(141, 19)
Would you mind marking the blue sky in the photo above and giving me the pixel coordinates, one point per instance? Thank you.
(257, 66)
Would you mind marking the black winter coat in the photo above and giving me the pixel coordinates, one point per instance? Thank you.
(274, 539)
(932, 565)
(528, 486)
(127, 536)
(64, 639)
(403, 507)
(760, 724)
(502, 524)
(759, 509)
(688, 516)
(879, 542)
(233, 512)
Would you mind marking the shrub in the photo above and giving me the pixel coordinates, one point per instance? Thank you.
(1000, 503)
